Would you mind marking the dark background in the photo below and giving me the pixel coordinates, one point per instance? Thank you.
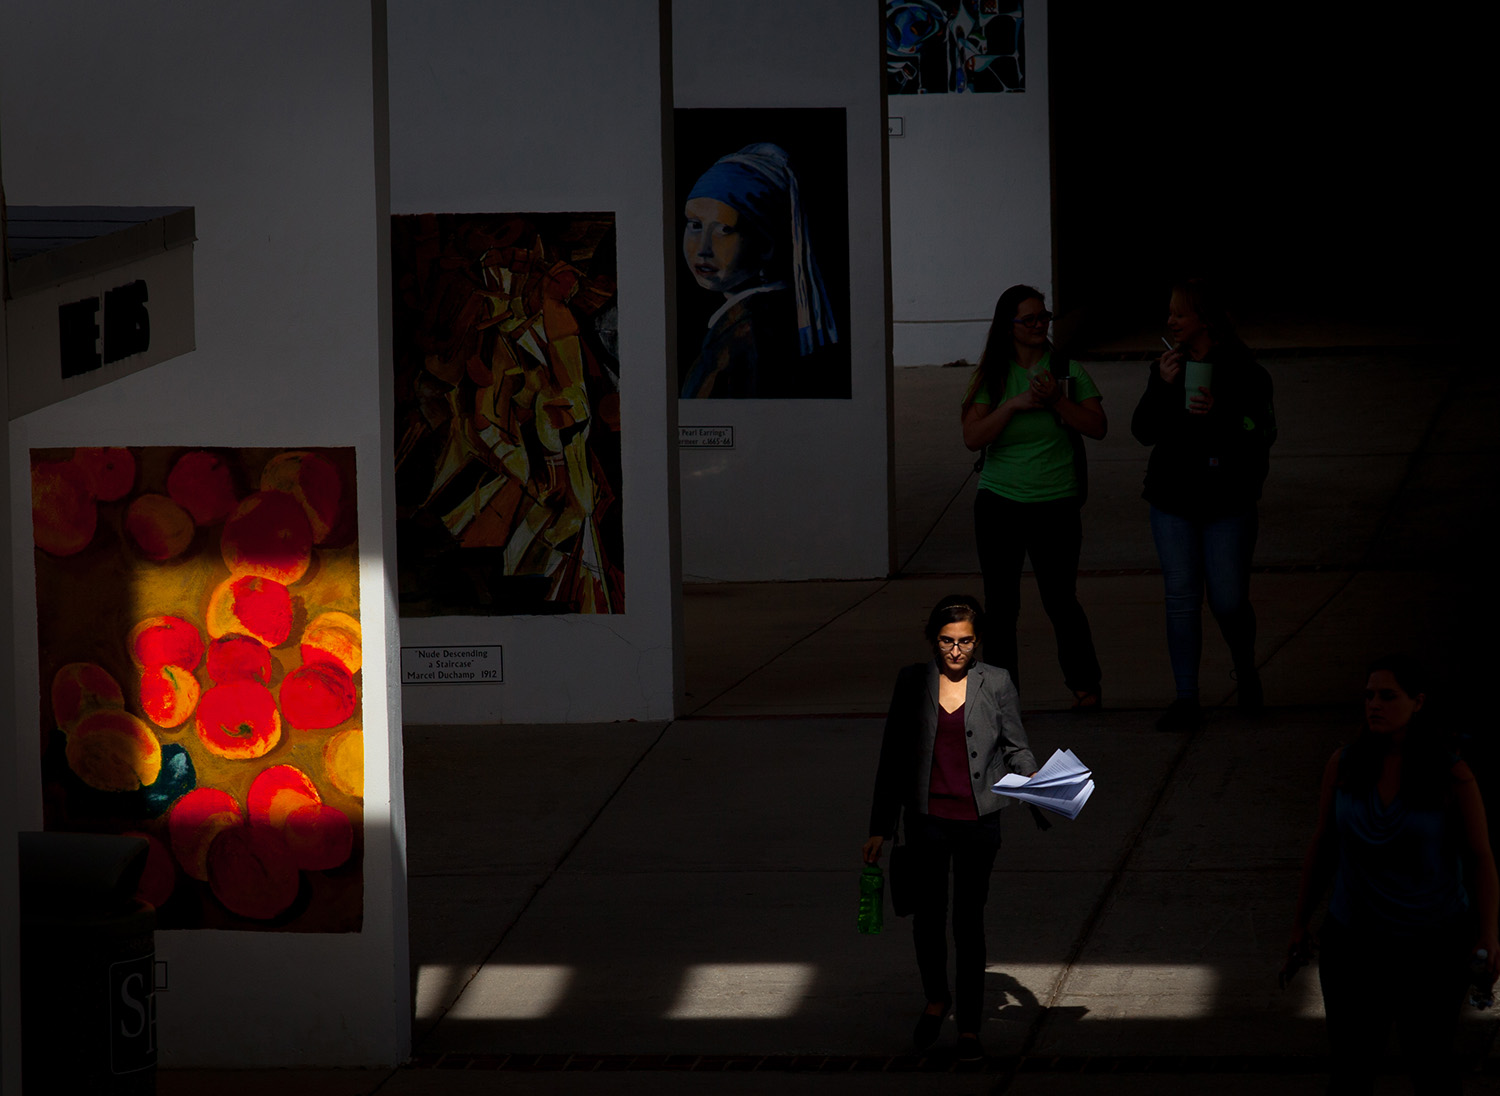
(1316, 163)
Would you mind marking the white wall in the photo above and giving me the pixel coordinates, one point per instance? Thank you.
(805, 492)
(971, 207)
(266, 117)
(505, 106)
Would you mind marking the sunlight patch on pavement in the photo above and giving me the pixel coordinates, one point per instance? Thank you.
(741, 991)
(499, 991)
(1186, 991)
(1178, 991)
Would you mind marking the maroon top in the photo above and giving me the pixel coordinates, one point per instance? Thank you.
(949, 794)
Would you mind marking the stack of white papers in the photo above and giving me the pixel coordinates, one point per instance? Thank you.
(1063, 785)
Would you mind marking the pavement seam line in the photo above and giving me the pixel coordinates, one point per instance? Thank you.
(1081, 941)
(537, 889)
(933, 527)
(1362, 564)
(1421, 449)
(1297, 631)
(883, 583)
(386, 1079)
(577, 840)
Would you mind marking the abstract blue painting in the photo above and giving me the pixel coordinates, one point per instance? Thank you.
(935, 46)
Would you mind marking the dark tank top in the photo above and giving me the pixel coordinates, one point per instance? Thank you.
(1399, 869)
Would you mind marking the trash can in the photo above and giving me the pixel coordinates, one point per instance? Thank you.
(88, 967)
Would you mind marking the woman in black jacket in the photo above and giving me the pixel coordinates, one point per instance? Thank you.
(1209, 458)
(953, 730)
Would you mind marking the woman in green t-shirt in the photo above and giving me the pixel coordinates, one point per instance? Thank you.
(1027, 412)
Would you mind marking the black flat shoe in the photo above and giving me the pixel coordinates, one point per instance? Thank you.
(929, 1026)
(969, 1048)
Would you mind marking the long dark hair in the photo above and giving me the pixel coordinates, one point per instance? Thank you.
(1000, 343)
(1205, 299)
(1427, 753)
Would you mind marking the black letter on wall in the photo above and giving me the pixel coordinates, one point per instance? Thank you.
(127, 325)
(77, 336)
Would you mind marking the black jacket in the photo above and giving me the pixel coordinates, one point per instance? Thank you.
(992, 721)
(1213, 465)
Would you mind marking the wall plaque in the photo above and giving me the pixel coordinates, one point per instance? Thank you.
(451, 665)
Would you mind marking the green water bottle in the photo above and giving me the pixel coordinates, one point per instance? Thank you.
(871, 899)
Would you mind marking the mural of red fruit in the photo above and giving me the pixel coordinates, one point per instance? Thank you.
(238, 720)
(113, 751)
(111, 472)
(168, 695)
(239, 658)
(160, 877)
(160, 528)
(268, 535)
(80, 688)
(277, 792)
(284, 798)
(252, 872)
(202, 484)
(344, 761)
(317, 696)
(195, 820)
(313, 481)
(178, 776)
(332, 637)
(319, 836)
(165, 641)
(253, 606)
(63, 514)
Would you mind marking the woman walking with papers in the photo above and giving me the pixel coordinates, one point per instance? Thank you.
(953, 730)
(1402, 837)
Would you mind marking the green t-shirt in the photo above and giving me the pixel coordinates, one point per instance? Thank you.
(1032, 459)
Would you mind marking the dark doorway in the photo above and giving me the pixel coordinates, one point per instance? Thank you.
(1317, 163)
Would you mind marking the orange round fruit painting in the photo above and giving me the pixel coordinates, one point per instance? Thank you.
(200, 655)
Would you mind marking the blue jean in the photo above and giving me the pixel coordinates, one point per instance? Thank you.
(1213, 554)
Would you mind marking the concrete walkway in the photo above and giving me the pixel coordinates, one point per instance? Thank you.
(639, 908)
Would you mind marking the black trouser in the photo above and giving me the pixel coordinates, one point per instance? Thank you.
(970, 848)
(1371, 980)
(1051, 533)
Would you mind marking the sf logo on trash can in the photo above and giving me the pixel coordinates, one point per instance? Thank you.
(132, 1014)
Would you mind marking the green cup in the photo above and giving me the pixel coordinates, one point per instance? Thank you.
(1196, 375)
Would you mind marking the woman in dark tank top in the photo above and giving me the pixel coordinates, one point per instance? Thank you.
(1399, 816)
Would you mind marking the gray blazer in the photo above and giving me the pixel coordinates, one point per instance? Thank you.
(992, 722)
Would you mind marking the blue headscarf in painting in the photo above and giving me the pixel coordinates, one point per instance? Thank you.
(759, 184)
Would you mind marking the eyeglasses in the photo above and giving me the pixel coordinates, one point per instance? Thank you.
(1036, 319)
(947, 643)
